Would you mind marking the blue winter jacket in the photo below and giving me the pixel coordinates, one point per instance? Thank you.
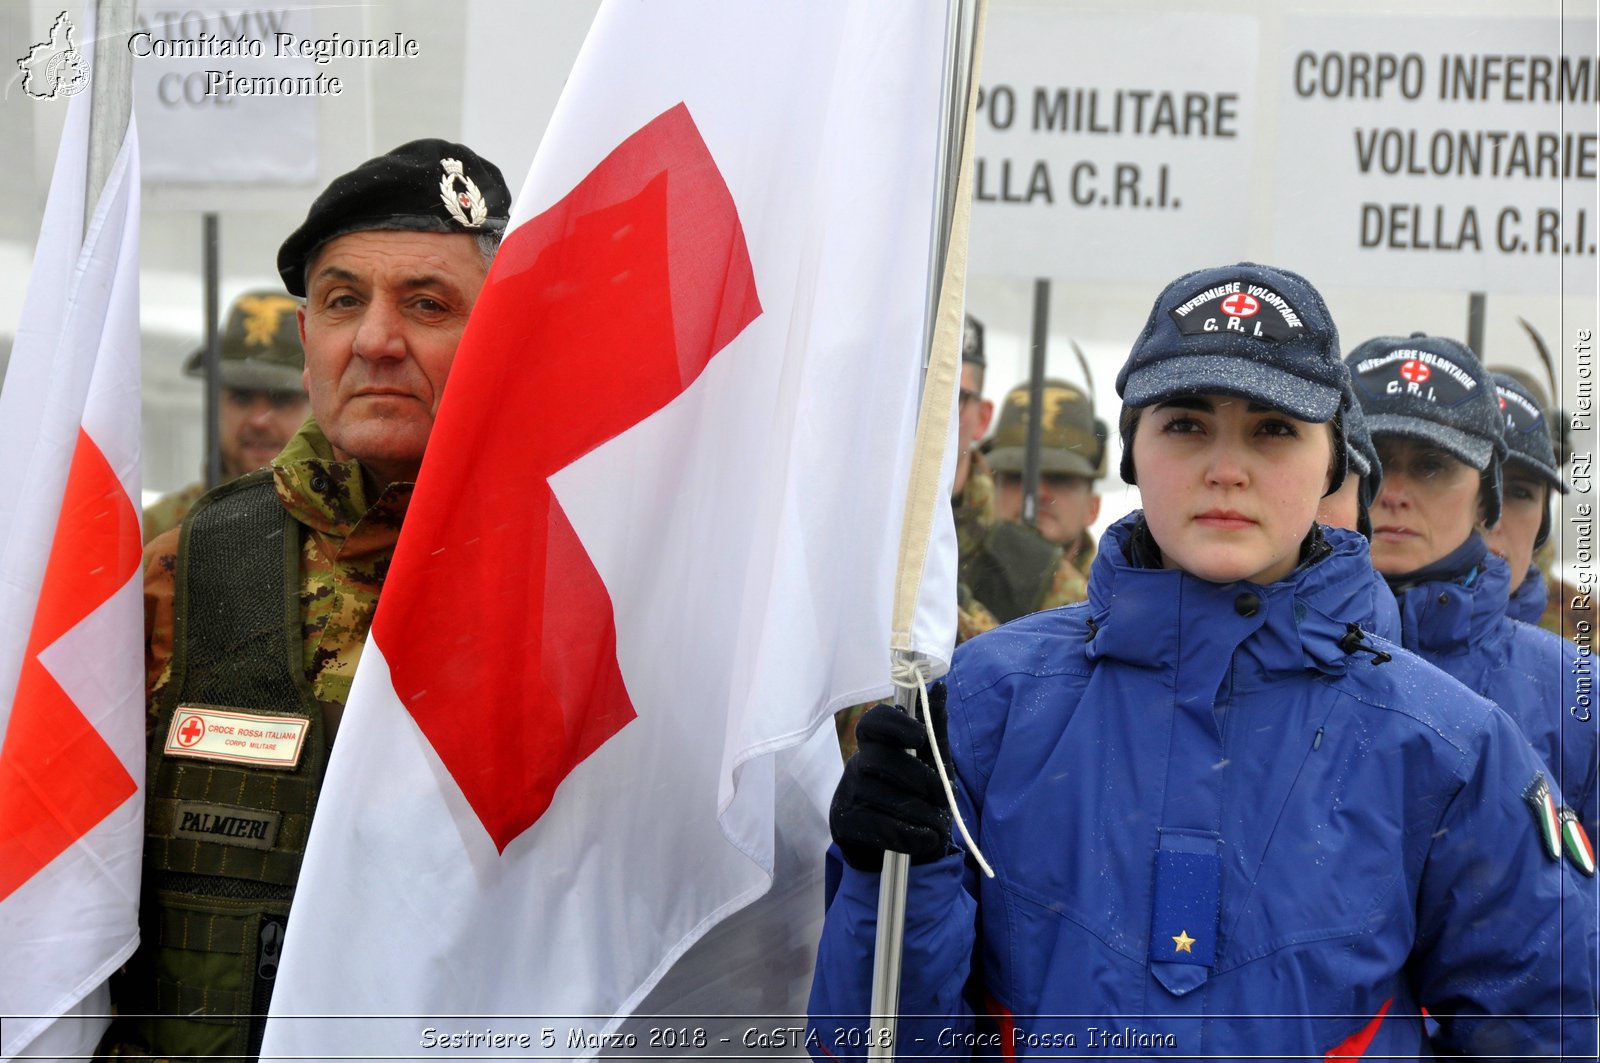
(1528, 601)
(1538, 677)
(1224, 823)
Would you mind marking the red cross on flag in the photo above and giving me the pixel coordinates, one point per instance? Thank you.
(71, 613)
(651, 551)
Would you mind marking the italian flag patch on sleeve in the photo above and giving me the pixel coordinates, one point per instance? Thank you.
(1576, 840)
(1545, 817)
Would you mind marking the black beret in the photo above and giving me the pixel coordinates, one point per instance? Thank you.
(430, 186)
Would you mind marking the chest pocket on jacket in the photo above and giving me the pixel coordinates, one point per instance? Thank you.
(1314, 849)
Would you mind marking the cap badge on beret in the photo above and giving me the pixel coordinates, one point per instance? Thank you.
(1238, 308)
(1422, 374)
(261, 314)
(461, 196)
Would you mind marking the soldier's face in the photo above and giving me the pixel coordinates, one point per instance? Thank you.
(1230, 488)
(383, 316)
(252, 426)
(1427, 508)
(973, 416)
(1526, 497)
(1066, 505)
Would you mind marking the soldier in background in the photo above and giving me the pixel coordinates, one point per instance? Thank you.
(972, 490)
(1006, 569)
(1072, 456)
(263, 398)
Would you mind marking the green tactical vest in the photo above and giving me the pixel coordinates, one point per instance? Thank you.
(1011, 570)
(223, 839)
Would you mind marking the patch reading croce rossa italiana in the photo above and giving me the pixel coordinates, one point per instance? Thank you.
(1423, 374)
(1239, 308)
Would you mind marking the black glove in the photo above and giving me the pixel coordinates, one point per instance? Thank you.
(890, 798)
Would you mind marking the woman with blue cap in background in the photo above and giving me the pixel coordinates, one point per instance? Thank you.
(1528, 477)
(1350, 507)
(1438, 424)
(1223, 819)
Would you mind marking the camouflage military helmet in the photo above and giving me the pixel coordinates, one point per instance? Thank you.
(259, 349)
(1072, 442)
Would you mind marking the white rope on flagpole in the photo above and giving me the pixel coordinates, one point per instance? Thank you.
(910, 677)
(923, 494)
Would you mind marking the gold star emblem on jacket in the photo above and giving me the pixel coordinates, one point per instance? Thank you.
(1184, 942)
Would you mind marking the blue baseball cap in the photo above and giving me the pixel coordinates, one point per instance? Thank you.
(1254, 331)
(1433, 390)
(1528, 440)
(1363, 455)
(1527, 431)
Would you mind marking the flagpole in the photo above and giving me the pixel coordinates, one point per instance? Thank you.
(110, 97)
(963, 20)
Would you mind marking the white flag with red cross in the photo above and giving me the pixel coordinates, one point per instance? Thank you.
(71, 613)
(652, 549)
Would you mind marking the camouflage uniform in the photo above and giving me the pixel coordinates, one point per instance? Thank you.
(168, 511)
(974, 513)
(1071, 581)
(976, 520)
(347, 544)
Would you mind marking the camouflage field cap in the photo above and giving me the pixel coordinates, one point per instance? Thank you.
(260, 345)
(1071, 441)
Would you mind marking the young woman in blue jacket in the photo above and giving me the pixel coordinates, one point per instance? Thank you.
(1224, 820)
(1439, 425)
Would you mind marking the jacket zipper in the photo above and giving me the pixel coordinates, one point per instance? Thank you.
(269, 949)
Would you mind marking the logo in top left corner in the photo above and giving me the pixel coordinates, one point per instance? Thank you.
(54, 68)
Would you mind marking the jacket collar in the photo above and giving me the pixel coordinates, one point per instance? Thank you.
(329, 495)
(1528, 601)
(1457, 613)
(1164, 618)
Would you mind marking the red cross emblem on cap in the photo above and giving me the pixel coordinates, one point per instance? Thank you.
(1240, 305)
(1415, 371)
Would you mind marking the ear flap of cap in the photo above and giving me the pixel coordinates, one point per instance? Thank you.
(1489, 491)
(1341, 451)
(1126, 465)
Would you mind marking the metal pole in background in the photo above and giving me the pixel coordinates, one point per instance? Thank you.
(1030, 454)
(959, 42)
(213, 389)
(1475, 310)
